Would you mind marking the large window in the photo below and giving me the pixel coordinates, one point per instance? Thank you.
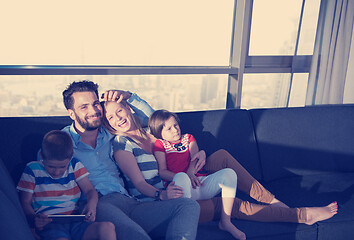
(41, 95)
(116, 32)
(281, 43)
(178, 55)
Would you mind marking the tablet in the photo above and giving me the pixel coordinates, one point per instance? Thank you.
(66, 218)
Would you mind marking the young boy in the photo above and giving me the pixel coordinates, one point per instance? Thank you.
(53, 186)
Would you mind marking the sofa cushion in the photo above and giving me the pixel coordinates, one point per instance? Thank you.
(259, 230)
(225, 129)
(11, 210)
(303, 141)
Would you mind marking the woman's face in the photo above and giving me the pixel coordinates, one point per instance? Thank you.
(119, 117)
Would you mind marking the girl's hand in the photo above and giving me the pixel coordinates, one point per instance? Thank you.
(89, 212)
(200, 158)
(195, 181)
(40, 220)
(172, 192)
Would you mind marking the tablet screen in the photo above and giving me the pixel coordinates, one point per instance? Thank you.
(66, 218)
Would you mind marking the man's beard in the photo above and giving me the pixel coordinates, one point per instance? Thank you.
(87, 125)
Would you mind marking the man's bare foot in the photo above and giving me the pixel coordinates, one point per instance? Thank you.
(316, 214)
(229, 227)
(275, 202)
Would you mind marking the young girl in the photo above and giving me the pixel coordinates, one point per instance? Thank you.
(176, 156)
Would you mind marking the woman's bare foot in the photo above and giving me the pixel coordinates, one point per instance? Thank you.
(275, 202)
(316, 214)
(229, 227)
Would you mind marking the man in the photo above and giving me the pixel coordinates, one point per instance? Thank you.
(174, 219)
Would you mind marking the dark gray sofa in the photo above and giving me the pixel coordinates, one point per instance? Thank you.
(305, 156)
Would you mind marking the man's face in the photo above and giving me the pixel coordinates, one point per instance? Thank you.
(87, 111)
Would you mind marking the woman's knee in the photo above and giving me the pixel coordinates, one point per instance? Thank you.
(104, 228)
(222, 154)
(218, 160)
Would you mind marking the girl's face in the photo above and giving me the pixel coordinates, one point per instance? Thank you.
(119, 117)
(171, 131)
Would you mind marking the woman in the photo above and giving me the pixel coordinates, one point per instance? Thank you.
(133, 141)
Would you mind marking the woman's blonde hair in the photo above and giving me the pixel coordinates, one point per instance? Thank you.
(136, 122)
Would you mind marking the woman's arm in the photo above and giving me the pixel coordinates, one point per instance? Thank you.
(163, 171)
(141, 108)
(92, 198)
(127, 163)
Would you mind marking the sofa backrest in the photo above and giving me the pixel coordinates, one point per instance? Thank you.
(22, 138)
(305, 140)
(228, 129)
(231, 130)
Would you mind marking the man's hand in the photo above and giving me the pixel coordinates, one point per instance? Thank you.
(116, 95)
(173, 191)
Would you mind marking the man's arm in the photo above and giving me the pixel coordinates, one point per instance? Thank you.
(140, 107)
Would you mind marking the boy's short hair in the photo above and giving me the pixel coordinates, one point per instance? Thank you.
(157, 121)
(82, 86)
(57, 145)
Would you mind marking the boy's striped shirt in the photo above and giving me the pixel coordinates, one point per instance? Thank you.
(53, 196)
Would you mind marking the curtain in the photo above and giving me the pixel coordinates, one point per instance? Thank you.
(330, 62)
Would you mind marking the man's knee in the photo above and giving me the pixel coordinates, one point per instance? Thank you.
(189, 205)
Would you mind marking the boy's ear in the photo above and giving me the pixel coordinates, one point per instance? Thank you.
(40, 154)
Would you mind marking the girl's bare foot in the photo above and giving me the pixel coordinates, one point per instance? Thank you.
(315, 214)
(229, 227)
(275, 202)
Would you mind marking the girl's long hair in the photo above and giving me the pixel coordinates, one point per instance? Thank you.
(136, 122)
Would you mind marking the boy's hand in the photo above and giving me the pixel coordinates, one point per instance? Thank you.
(89, 212)
(40, 220)
(35, 235)
(116, 95)
(200, 158)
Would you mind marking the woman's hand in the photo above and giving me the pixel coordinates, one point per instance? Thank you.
(40, 220)
(200, 158)
(116, 95)
(172, 191)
